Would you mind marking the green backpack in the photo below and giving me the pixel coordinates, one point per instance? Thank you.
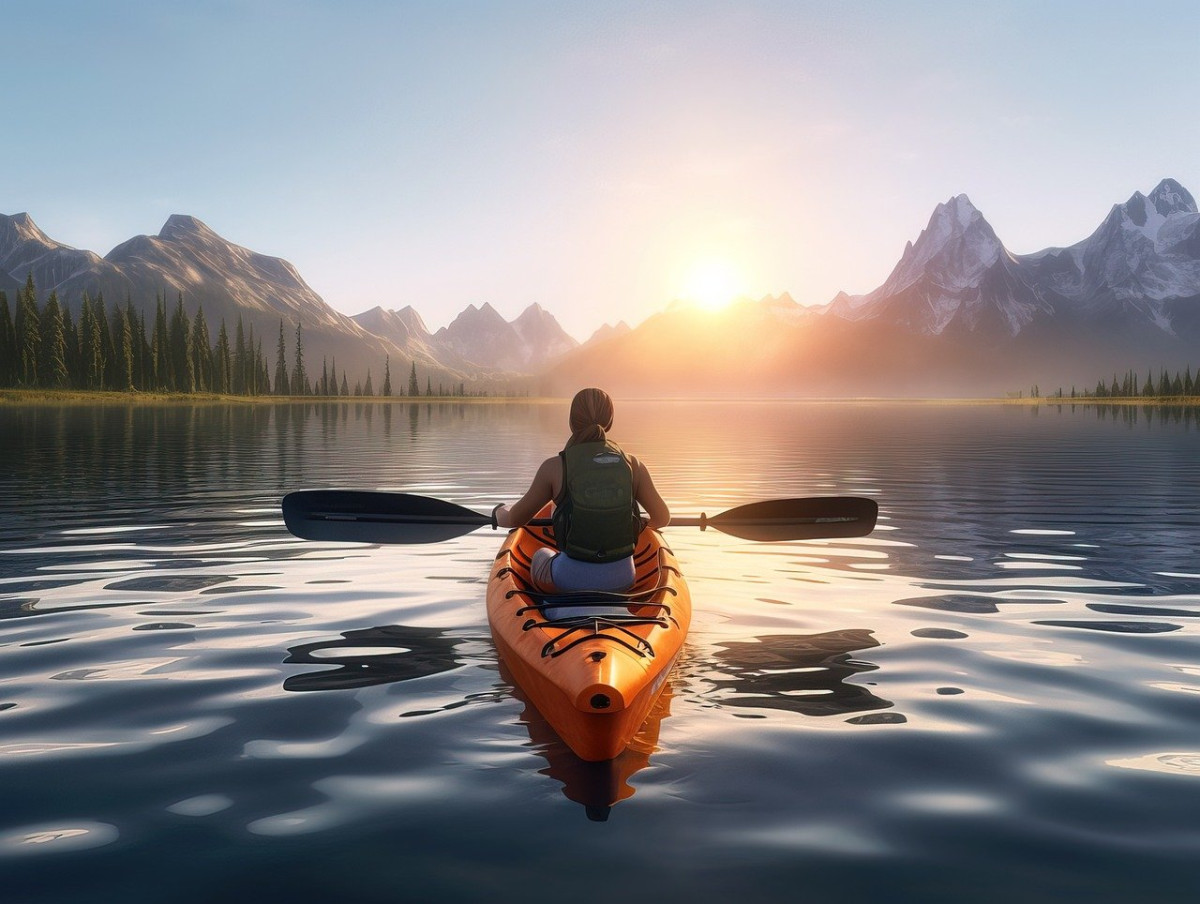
(596, 518)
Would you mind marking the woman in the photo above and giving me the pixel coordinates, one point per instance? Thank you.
(596, 489)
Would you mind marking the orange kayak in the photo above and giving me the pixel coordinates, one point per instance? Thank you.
(592, 663)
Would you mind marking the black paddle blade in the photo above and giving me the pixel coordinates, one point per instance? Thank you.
(815, 518)
(360, 516)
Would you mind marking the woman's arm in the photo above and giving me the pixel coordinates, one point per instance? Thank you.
(657, 513)
(539, 493)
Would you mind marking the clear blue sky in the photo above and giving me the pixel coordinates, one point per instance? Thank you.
(588, 156)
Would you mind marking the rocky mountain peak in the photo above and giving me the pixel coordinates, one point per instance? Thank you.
(1140, 219)
(19, 229)
(1170, 197)
(473, 318)
(959, 244)
(182, 226)
(409, 316)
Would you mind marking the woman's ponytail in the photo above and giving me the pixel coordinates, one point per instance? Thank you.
(591, 416)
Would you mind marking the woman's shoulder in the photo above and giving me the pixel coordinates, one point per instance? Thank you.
(551, 469)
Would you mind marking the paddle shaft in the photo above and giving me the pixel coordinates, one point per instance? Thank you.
(377, 517)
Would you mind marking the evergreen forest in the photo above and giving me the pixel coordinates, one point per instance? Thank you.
(115, 349)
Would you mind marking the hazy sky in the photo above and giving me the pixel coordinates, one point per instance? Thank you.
(589, 156)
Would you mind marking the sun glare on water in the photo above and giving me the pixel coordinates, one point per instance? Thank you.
(712, 284)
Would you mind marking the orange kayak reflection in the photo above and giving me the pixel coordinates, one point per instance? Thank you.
(597, 785)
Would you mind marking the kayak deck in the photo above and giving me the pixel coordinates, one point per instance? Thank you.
(592, 663)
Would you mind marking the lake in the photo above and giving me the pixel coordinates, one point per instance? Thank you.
(994, 697)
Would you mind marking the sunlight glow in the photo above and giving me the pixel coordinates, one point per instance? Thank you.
(712, 284)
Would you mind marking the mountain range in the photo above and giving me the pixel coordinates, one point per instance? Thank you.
(229, 282)
(959, 314)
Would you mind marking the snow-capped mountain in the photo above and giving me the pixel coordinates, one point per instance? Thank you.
(957, 277)
(959, 314)
(1141, 266)
(1139, 270)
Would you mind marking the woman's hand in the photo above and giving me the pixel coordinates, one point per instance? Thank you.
(502, 516)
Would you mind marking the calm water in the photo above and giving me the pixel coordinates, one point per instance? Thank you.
(995, 697)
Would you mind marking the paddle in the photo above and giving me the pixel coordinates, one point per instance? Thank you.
(375, 517)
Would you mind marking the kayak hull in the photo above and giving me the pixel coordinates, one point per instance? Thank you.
(592, 666)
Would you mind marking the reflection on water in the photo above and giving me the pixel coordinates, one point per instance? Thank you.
(372, 656)
(802, 673)
(598, 786)
(1025, 649)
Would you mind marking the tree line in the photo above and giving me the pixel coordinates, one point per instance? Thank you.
(116, 349)
(1130, 386)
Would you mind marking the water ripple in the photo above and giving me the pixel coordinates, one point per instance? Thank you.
(992, 698)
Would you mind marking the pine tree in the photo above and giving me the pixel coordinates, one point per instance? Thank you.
(143, 361)
(100, 343)
(345, 386)
(53, 361)
(387, 376)
(1177, 385)
(201, 353)
(160, 349)
(240, 368)
(1164, 384)
(281, 375)
(143, 337)
(71, 341)
(428, 387)
(123, 343)
(181, 349)
(262, 378)
(108, 347)
(222, 363)
(29, 335)
(1189, 385)
(8, 343)
(414, 389)
(299, 377)
(90, 361)
(254, 365)
(368, 389)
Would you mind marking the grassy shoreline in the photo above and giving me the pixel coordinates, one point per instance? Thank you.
(106, 397)
(81, 397)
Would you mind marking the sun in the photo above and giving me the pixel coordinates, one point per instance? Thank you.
(712, 284)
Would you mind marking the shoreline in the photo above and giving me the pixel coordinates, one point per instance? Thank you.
(14, 397)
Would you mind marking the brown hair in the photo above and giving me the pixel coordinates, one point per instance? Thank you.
(591, 416)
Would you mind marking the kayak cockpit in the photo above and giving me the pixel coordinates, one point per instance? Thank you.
(579, 616)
